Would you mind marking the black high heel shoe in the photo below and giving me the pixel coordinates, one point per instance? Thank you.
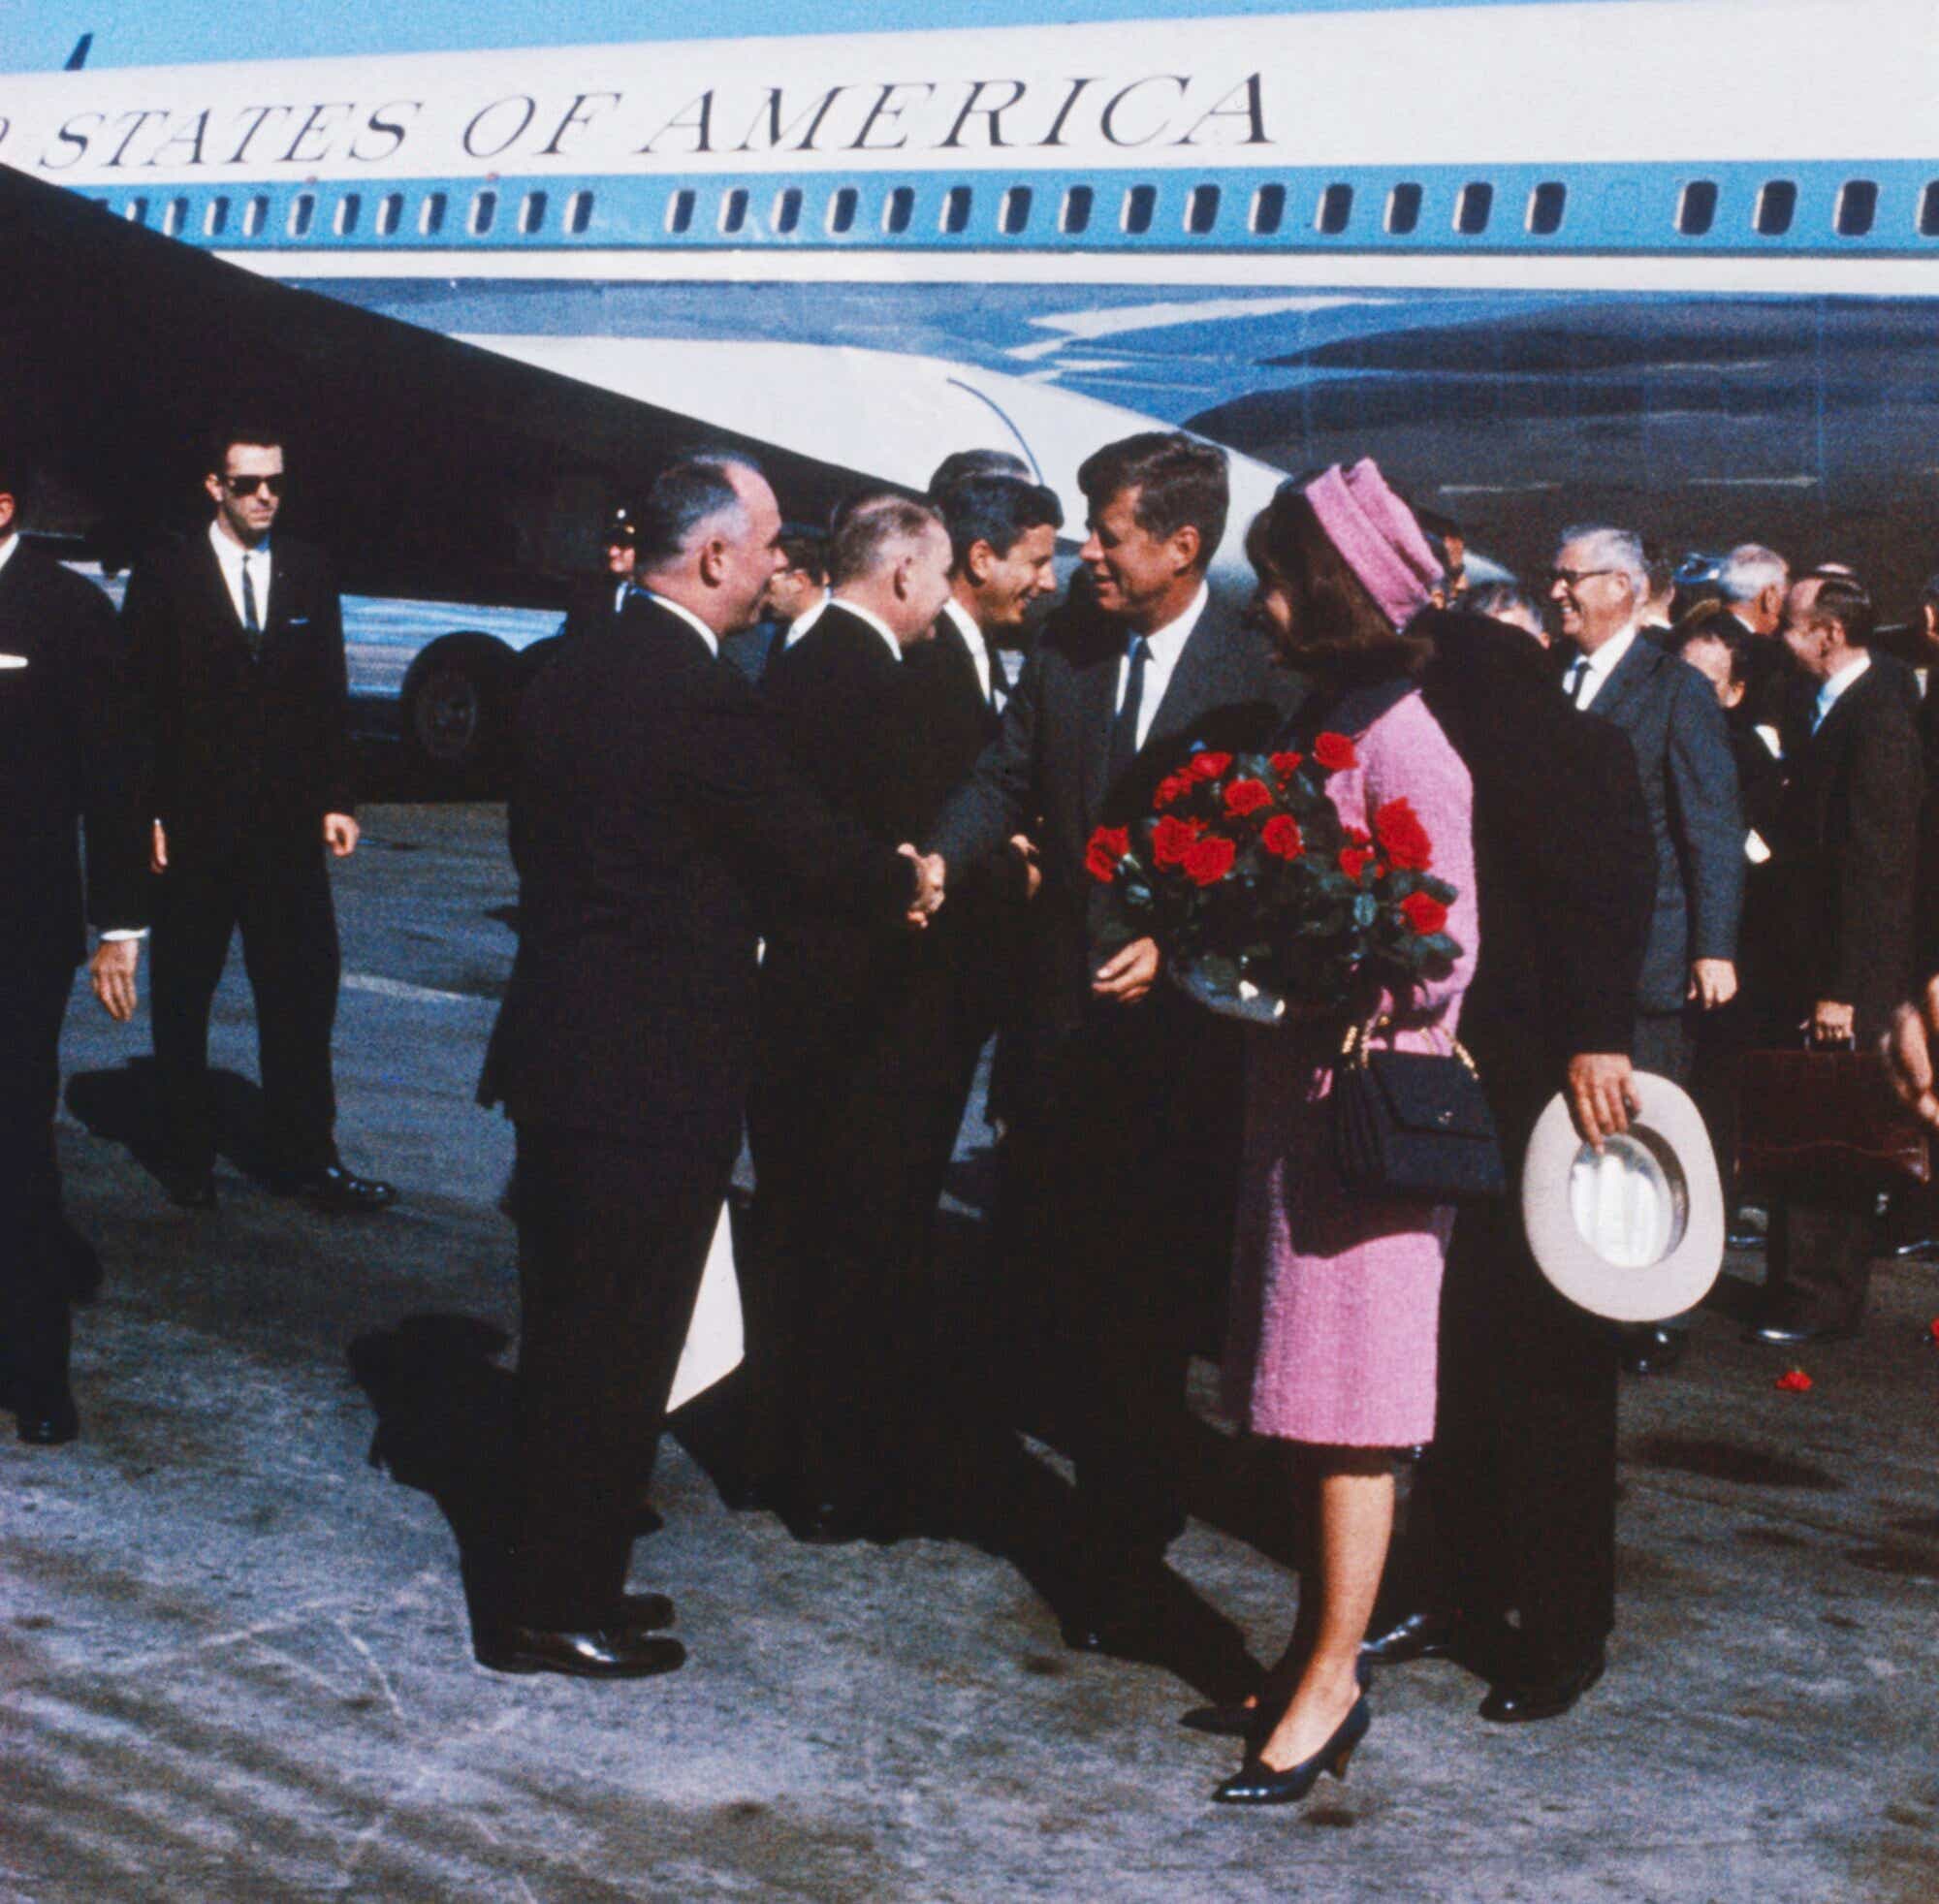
(1235, 1719)
(1255, 1782)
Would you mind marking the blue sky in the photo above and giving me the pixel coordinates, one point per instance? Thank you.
(39, 34)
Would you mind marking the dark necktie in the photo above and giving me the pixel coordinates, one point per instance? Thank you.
(1125, 729)
(252, 620)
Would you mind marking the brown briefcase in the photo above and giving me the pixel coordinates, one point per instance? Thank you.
(1827, 1119)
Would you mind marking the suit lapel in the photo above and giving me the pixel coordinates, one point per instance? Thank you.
(1195, 682)
(1636, 667)
(1096, 708)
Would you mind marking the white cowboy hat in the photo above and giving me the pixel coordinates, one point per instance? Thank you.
(1636, 1234)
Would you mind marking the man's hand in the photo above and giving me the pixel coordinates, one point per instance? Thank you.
(158, 850)
(1601, 1095)
(1025, 849)
(1907, 1050)
(1832, 1023)
(113, 971)
(1130, 975)
(931, 875)
(340, 834)
(1713, 982)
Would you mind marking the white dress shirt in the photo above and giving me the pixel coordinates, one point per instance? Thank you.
(232, 554)
(964, 625)
(1828, 695)
(1164, 645)
(691, 620)
(805, 620)
(1586, 678)
(873, 620)
(8, 544)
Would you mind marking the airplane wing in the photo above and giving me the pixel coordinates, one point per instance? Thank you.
(432, 468)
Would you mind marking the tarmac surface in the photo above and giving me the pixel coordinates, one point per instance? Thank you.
(234, 1659)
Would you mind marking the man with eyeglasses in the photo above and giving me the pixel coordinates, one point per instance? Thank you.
(236, 641)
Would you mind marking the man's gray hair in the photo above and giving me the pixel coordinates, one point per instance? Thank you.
(690, 493)
(1749, 569)
(868, 527)
(1614, 548)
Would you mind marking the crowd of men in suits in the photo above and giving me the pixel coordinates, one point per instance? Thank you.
(873, 745)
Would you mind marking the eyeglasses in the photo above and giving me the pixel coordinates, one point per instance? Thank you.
(249, 485)
(1573, 578)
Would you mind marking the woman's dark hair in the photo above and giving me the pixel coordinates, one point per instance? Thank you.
(1337, 629)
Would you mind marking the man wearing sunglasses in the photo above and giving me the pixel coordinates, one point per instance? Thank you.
(236, 641)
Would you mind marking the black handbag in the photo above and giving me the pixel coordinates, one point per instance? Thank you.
(1412, 1126)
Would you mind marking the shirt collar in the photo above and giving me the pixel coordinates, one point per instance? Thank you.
(688, 616)
(1168, 643)
(1827, 694)
(229, 552)
(1602, 663)
(966, 625)
(8, 544)
(873, 620)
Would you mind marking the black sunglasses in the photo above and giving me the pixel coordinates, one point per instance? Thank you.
(249, 485)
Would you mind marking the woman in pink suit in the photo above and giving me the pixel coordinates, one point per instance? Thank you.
(1335, 1298)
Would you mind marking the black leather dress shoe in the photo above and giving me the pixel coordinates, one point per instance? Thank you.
(45, 1420)
(1414, 1637)
(1521, 1702)
(1652, 1349)
(336, 1189)
(644, 1612)
(188, 1190)
(586, 1653)
(1784, 1330)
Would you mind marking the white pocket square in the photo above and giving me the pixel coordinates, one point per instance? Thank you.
(12, 660)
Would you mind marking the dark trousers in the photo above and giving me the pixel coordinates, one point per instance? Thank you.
(1514, 1503)
(1820, 1261)
(275, 888)
(613, 1238)
(33, 1278)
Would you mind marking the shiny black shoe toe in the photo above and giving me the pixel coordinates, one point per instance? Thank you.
(338, 1191)
(1652, 1350)
(582, 1653)
(1522, 1702)
(1255, 1782)
(46, 1420)
(1423, 1635)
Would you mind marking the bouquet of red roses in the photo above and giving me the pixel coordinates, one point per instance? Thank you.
(1263, 898)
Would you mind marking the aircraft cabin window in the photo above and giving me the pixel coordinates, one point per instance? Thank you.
(899, 210)
(1268, 209)
(430, 220)
(1697, 210)
(1140, 202)
(348, 208)
(680, 212)
(956, 209)
(1474, 208)
(841, 210)
(1929, 212)
(1545, 207)
(1403, 209)
(389, 213)
(216, 220)
(533, 213)
(734, 210)
(788, 209)
(255, 216)
(1015, 215)
(1776, 208)
(484, 213)
(1857, 208)
(302, 212)
(1336, 210)
(578, 212)
(137, 212)
(174, 214)
(1201, 209)
(1077, 202)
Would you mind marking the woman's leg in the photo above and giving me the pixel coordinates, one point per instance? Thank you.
(1350, 1498)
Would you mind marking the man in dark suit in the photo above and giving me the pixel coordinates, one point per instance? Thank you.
(654, 807)
(604, 595)
(1847, 863)
(800, 585)
(237, 643)
(1751, 583)
(1133, 1089)
(853, 1040)
(1513, 1506)
(1682, 748)
(70, 751)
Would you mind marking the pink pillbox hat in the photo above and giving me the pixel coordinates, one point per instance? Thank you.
(1378, 538)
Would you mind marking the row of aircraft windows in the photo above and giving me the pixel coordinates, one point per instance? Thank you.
(1855, 214)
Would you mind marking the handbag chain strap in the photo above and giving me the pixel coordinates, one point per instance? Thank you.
(1357, 1046)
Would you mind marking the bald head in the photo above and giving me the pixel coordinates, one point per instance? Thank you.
(890, 555)
(710, 537)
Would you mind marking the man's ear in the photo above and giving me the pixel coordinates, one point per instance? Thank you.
(1187, 544)
(903, 581)
(977, 563)
(713, 561)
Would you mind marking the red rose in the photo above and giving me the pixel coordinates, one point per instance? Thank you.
(1281, 836)
(1210, 860)
(1335, 752)
(1108, 845)
(1794, 1382)
(1171, 840)
(1244, 797)
(1173, 787)
(1286, 765)
(1208, 766)
(1398, 828)
(1354, 860)
(1423, 912)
